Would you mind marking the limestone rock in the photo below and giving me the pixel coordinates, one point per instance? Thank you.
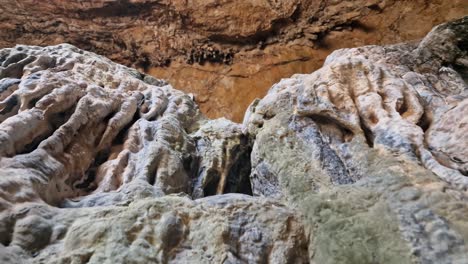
(377, 133)
(166, 230)
(362, 161)
(79, 132)
(224, 158)
(400, 99)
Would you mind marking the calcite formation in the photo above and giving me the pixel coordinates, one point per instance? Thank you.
(226, 52)
(362, 161)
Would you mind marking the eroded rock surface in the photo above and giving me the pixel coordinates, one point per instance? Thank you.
(225, 52)
(229, 229)
(407, 99)
(377, 133)
(80, 131)
(362, 161)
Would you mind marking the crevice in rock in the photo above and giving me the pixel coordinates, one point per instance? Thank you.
(211, 185)
(333, 126)
(238, 179)
(355, 24)
(424, 122)
(54, 122)
(17, 57)
(9, 105)
(119, 9)
(32, 102)
(90, 174)
(375, 7)
(367, 133)
(323, 137)
(119, 139)
(15, 70)
(33, 144)
(222, 162)
(7, 231)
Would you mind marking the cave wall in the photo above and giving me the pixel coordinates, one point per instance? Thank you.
(227, 52)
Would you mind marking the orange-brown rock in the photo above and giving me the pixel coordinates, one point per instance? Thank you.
(225, 52)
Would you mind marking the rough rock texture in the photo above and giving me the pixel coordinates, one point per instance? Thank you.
(362, 161)
(166, 230)
(225, 52)
(80, 131)
(372, 149)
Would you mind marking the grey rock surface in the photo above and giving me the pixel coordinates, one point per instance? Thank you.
(362, 161)
(372, 148)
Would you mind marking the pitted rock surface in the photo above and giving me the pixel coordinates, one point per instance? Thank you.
(362, 161)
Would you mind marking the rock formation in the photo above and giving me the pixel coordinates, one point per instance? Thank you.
(362, 161)
(225, 52)
(372, 149)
